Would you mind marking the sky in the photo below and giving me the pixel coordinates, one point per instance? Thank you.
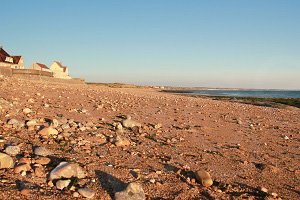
(203, 43)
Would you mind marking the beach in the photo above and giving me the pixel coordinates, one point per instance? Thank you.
(250, 151)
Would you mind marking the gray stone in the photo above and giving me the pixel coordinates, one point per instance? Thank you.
(67, 170)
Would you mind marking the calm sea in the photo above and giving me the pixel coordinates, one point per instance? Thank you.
(248, 93)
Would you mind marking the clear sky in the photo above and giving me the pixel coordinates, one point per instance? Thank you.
(216, 43)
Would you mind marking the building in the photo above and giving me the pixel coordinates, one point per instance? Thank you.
(60, 71)
(7, 60)
(41, 67)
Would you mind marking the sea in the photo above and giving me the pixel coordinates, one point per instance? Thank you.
(247, 93)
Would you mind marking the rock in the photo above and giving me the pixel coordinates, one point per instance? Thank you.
(204, 178)
(263, 189)
(32, 122)
(120, 142)
(67, 170)
(61, 184)
(25, 192)
(134, 191)
(15, 123)
(86, 192)
(6, 161)
(286, 138)
(47, 131)
(129, 123)
(22, 168)
(26, 111)
(42, 151)
(39, 172)
(12, 150)
(75, 194)
(43, 161)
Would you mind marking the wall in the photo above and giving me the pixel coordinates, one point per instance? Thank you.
(32, 72)
(6, 71)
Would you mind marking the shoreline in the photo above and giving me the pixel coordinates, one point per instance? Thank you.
(258, 101)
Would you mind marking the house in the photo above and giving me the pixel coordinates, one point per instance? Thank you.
(60, 71)
(7, 60)
(40, 66)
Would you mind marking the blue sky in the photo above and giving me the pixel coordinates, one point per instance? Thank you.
(215, 43)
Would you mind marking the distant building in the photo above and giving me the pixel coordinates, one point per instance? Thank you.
(41, 67)
(60, 71)
(7, 60)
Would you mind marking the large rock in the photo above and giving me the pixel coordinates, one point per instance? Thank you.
(129, 123)
(134, 191)
(6, 161)
(48, 131)
(67, 170)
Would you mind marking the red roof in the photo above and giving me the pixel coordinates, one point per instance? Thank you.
(4, 54)
(42, 66)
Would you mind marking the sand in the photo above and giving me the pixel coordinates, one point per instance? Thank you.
(243, 147)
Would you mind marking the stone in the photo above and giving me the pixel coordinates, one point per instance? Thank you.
(6, 161)
(43, 161)
(22, 168)
(75, 194)
(129, 123)
(12, 150)
(204, 178)
(32, 122)
(263, 189)
(120, 142)
(42, 151)
(39, 172)
(25, 192)
(86, 192)
(26, 111)
(61, 184)
(67, 170)
(48, 131)
(134, 191)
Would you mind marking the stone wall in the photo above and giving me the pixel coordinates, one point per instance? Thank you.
(32, 74)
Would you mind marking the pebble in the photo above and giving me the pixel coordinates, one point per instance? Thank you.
(75, 194)
(263, 189)
(129, 123)
(204, 178)
(42, 151)
(47, 131)
(134, 191)
(6, 161)
(12, 150)
(43, 161)
(26, 111)
(86, 192)
(32, 122)
(22, 168)
(61, 184)
(67, 170)
(120, 142)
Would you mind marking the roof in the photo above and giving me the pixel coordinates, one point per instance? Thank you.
(42, 65)
(4, 54)
(61, 66)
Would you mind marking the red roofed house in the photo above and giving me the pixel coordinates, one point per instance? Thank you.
(39, 66)
(60, 71)
(7, 60)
